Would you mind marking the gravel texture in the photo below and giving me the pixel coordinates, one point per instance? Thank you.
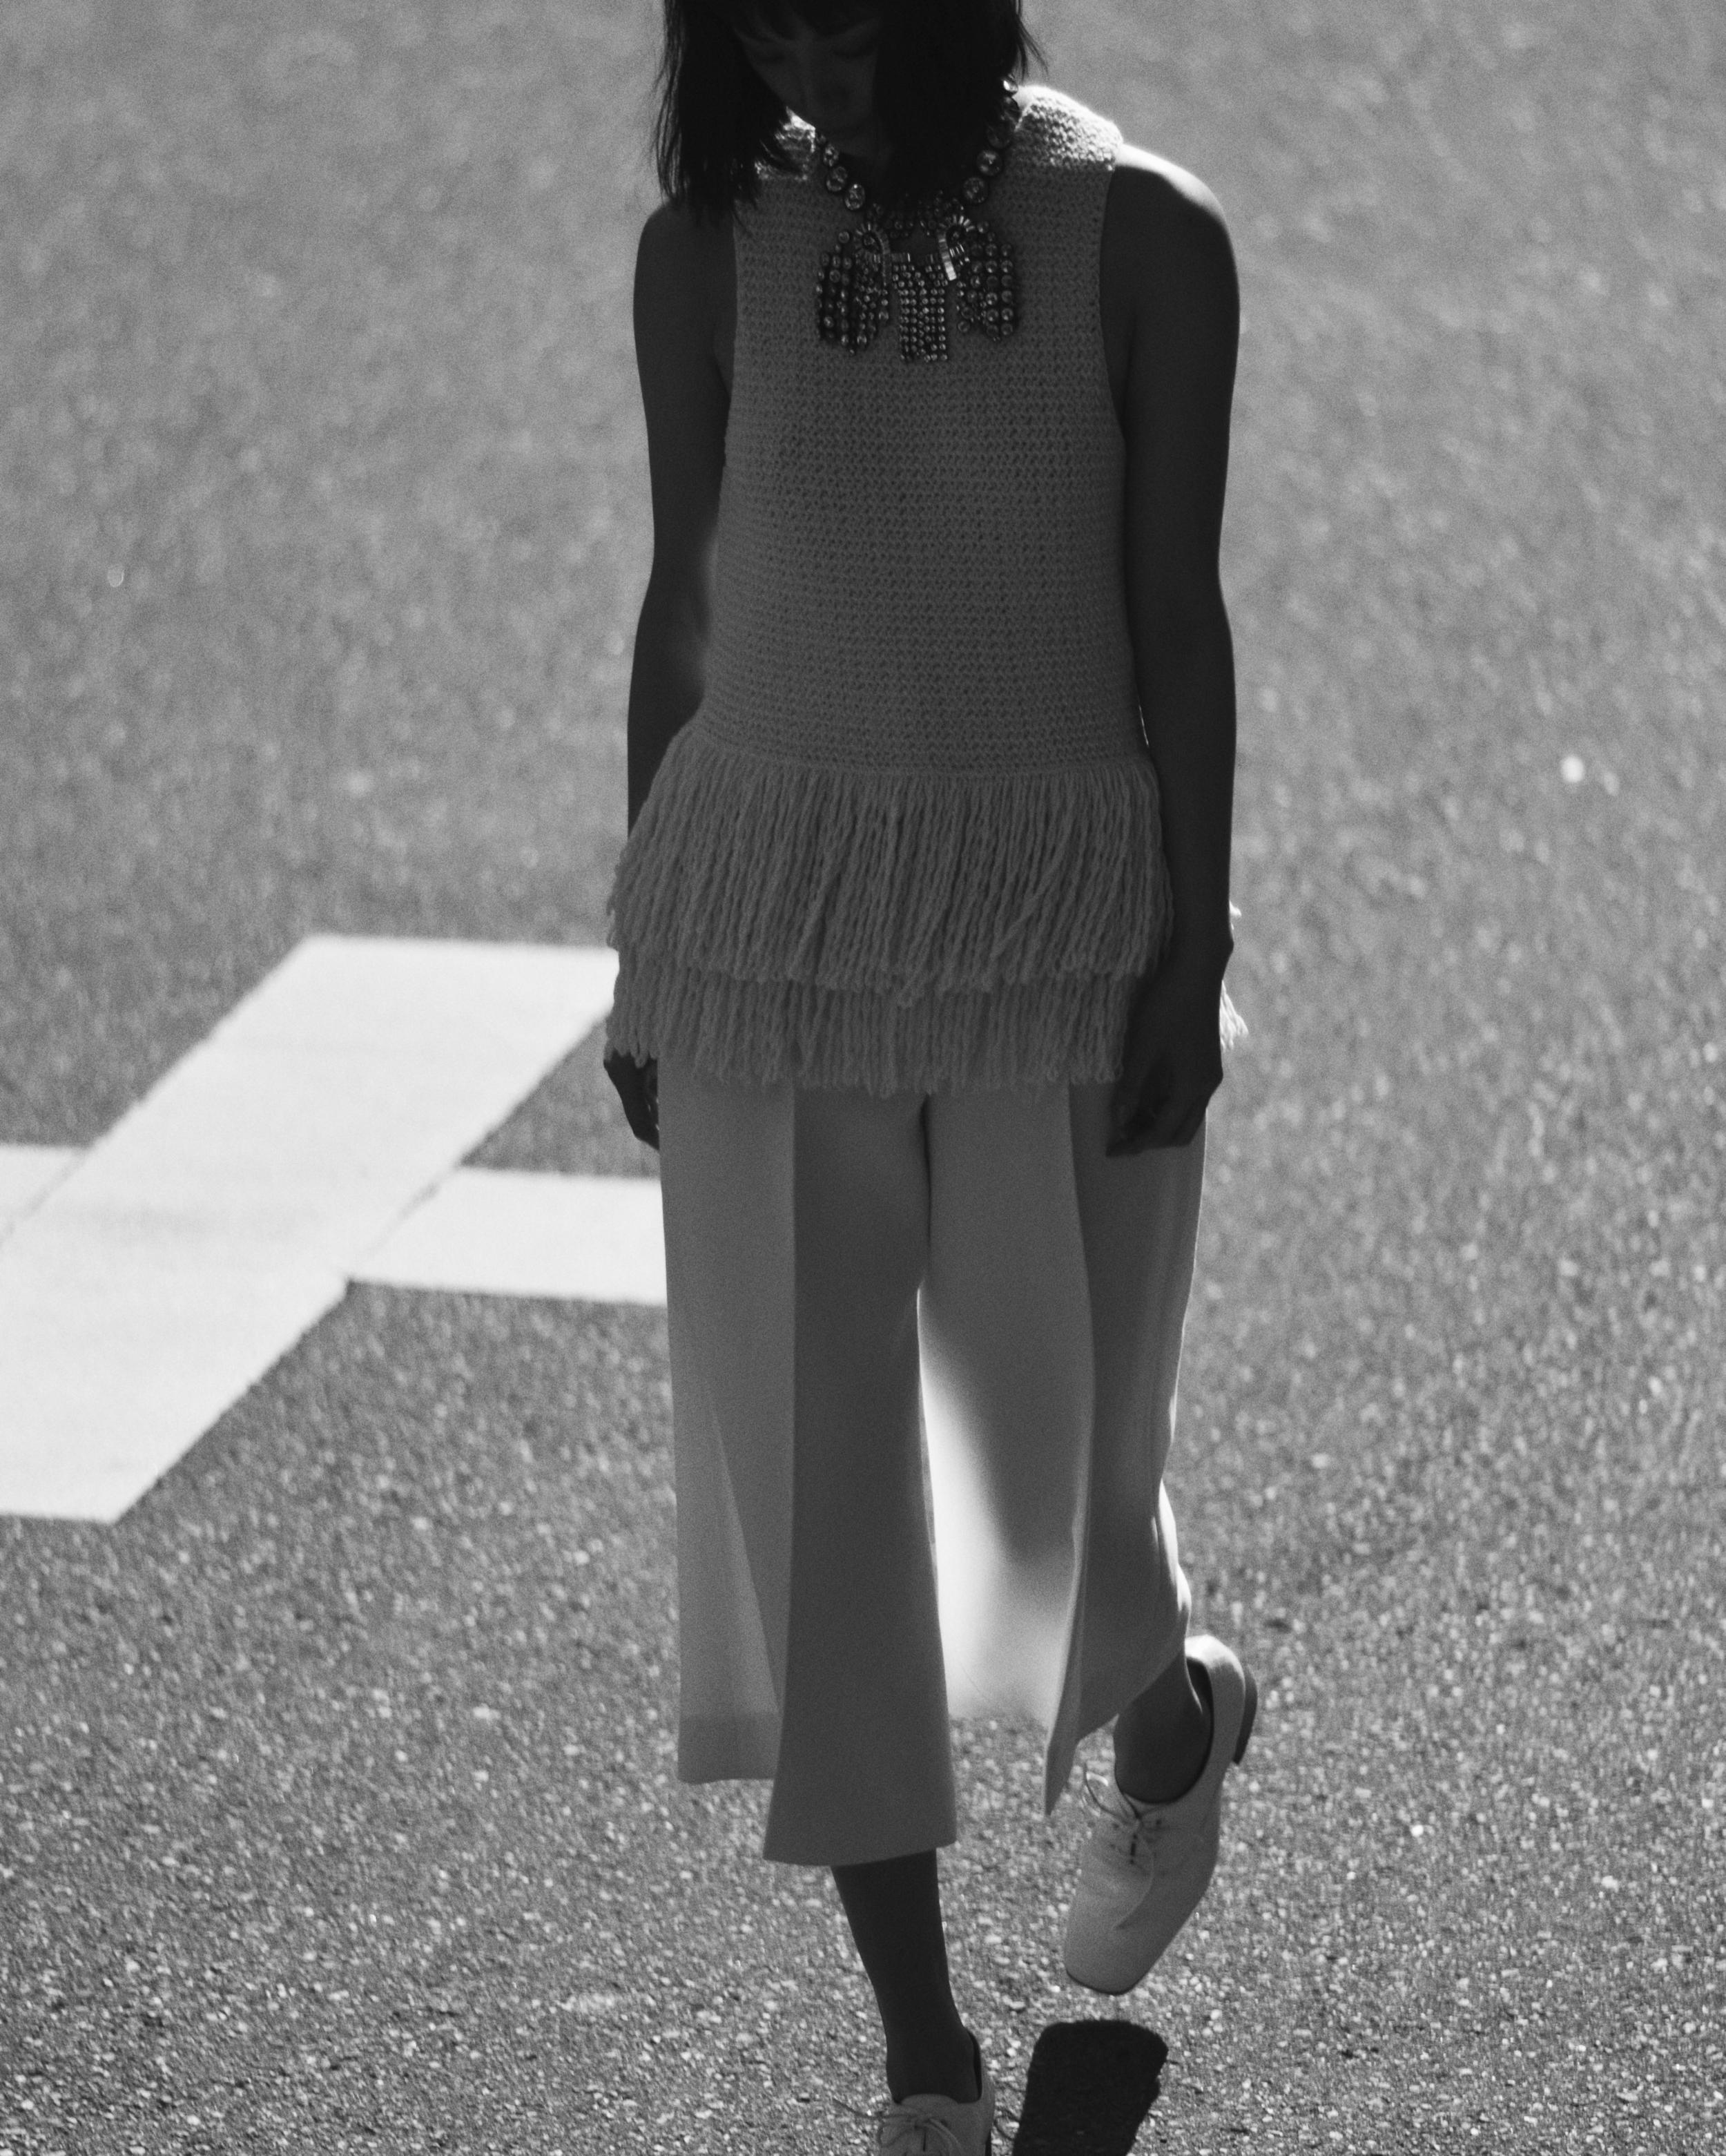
(336, 1800)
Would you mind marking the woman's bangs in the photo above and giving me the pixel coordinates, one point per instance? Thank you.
(783, 17)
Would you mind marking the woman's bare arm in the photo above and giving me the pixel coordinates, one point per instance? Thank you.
(1180, 385)
(684, 402)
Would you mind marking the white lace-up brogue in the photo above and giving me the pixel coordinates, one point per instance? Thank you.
(1146, 1866)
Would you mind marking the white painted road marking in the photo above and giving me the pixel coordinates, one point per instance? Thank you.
(482, 1231)
(503, 1231)
(183, 1253)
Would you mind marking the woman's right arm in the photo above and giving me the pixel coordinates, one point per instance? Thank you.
(686, 406)
(684, 400)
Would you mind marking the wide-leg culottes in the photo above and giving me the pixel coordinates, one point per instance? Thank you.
(924, 1352)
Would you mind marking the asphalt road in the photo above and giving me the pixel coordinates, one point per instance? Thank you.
(336, 1801)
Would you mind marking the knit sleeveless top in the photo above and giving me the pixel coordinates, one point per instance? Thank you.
(911, 838)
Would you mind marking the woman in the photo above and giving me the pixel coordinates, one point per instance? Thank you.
(922, 923)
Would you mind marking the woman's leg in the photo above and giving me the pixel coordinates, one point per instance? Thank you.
(1051, 1321)
(864, 1768)
(796, 1238)
(895, 1910)
(1162, 1738)
(866, 1758)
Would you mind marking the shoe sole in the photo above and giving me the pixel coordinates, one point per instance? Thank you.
(1247, 1719)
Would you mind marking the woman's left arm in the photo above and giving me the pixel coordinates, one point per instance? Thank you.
(1186, 314)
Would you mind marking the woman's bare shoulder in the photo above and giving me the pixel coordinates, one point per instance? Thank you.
(684, 278)
(682, 235)
(685, 272)
(1167, 239)
(1156, 200)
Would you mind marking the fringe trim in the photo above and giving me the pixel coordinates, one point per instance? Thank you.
(1070, 1030)
(893, 883)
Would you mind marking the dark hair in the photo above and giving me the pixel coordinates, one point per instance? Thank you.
(937, 74)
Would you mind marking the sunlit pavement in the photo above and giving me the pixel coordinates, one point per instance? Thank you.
(337, 1807)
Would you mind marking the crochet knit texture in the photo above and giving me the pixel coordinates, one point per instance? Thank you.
(911, 837)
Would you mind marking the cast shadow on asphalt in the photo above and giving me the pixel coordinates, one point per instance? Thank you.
(1089, 2089)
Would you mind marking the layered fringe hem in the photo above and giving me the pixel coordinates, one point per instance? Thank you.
(1067, 1031)
(861, 882)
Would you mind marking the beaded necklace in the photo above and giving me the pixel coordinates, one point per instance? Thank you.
(866, 269)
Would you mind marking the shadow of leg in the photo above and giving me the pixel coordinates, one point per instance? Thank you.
(1089, 2089)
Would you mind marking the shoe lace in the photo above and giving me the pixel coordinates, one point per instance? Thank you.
(909, 2133)
(1140, 1827)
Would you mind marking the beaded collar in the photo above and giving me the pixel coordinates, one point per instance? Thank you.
(870, 266)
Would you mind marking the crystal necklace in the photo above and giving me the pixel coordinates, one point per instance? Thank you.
(871, 266)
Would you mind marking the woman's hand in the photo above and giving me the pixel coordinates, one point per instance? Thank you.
(638, 1085)
(1173, 1061)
